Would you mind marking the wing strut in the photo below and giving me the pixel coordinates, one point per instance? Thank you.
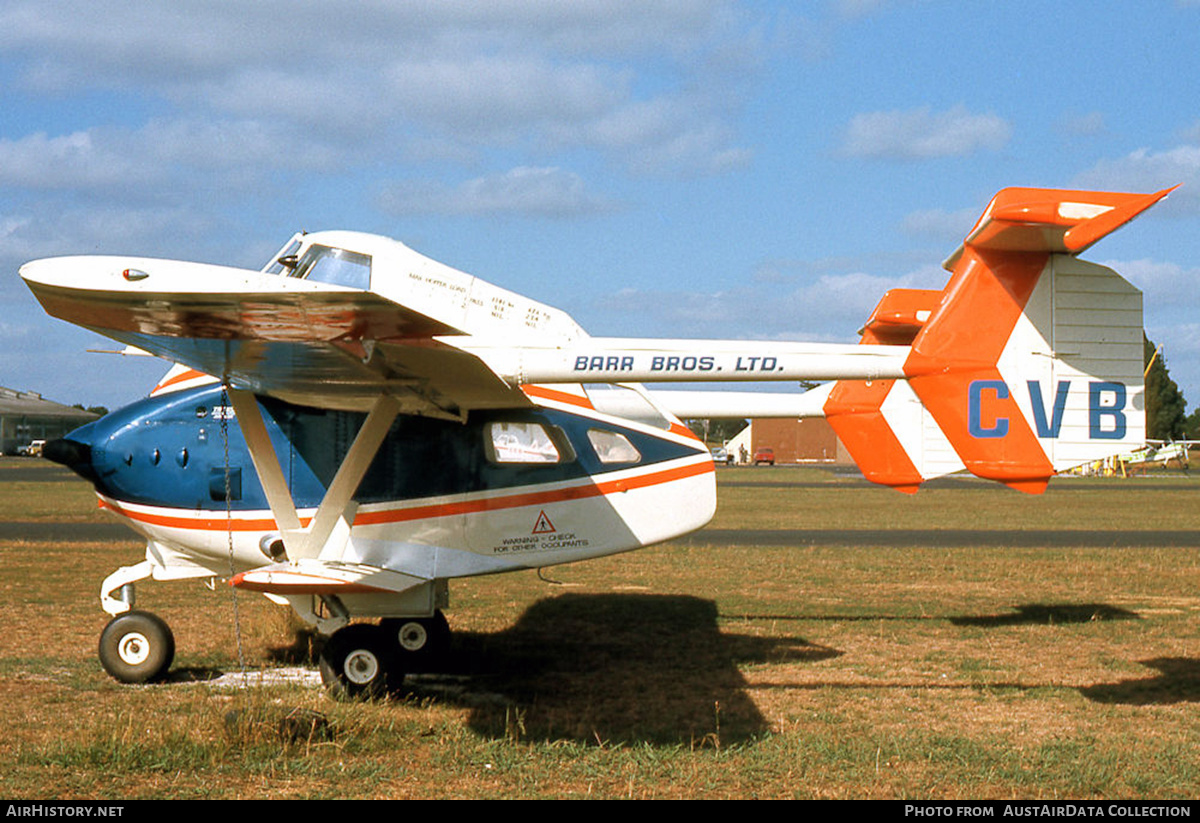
(337, 506)
(337, 503)
(266, 462)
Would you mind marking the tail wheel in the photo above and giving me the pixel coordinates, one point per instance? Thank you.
(421, 641)
(136, 647)
(358, 662)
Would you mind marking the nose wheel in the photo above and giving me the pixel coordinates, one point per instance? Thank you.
(136, 647)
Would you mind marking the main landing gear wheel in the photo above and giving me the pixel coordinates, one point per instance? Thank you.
(136, 647)
(422, 642)
(358, 662)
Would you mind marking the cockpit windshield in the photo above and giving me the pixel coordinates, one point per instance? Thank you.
(284, 259)
(338, 267)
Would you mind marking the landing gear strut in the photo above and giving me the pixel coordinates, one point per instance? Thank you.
(136, 647)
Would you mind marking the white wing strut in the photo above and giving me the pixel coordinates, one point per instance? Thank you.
(337, 505)
(266, 463)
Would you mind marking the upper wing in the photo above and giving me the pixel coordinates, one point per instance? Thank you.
(438, 340)
(304, 340)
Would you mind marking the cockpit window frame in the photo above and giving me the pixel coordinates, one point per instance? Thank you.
(277, 265)
(348, 268)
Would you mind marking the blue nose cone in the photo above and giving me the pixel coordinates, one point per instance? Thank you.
(171, 451)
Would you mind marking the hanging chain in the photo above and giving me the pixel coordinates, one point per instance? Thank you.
(237, 621)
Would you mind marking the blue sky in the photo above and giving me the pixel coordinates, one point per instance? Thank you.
(691, 168)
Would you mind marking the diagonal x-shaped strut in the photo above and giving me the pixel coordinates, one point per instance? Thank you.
(337, 505)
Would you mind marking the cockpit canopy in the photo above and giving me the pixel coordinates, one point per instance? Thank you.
(432, 298)
(323, 264)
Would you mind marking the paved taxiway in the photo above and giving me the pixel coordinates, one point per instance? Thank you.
(66, 531)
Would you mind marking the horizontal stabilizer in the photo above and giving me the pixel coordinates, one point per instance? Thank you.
(1052, 220)
(893, 439)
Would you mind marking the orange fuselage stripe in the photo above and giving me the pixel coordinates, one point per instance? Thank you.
(461, 507)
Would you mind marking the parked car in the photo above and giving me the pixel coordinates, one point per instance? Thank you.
(721, 455)
(764, 455)
(34, 449)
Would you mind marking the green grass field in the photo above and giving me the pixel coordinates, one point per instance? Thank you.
(976, 643)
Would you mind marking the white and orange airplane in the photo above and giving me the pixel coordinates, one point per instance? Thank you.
(356, 425)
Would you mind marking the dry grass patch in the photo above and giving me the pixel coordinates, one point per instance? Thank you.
(696, 669)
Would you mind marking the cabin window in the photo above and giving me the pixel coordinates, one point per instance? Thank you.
(612, 447)
(527, 443)
(337, 267)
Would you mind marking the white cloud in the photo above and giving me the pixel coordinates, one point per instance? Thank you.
(938, 224)
(39, 161)
(1145, 170)
(1172, 304)
(45, 231)
(1083, 125)
(1169, 289)
(830, 307)
(376, 78)
(243, 146)
(662, 134)
(485, 96)
(545, 192)
(923, 133)
(169, 41)
(175, 157)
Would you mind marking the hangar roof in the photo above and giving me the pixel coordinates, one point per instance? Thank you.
(32, 404)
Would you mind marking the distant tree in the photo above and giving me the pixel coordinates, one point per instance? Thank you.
(98, 410)
(716, 430)
(1191, 425)
(1165, 406)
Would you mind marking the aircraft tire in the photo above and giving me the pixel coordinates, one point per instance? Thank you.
(358, 663)
(422, 642)
(136, 647)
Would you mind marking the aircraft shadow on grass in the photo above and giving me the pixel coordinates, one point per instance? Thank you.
(617, 668)
(629, 668)
(1043, 614)
(1178, 681)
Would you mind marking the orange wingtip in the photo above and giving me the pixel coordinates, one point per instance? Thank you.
(853, 411)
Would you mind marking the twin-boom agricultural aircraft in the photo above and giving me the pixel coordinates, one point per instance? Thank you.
(355, 425)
